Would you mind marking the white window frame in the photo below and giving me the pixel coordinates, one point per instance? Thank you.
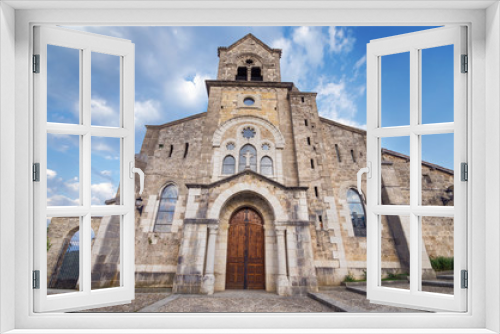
(484, 49)
(414, 43)
(86, 44)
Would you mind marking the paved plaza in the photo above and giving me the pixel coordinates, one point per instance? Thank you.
(333, 299)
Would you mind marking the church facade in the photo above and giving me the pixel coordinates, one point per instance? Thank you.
(259, 192)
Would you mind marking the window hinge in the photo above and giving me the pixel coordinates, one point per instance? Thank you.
(464, 167)
(36, 279)
(36, 63)
(465, 279)
(36, 172)
(465, 64)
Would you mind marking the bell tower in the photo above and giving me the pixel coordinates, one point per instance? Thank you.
(249, 59)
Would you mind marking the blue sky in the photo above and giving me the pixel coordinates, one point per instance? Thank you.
(173, 62)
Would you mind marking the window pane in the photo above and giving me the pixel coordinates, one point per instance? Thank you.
(437, 169)
(266, 166)
(356, 208)
(437, 84)
(63, 255)
(395, 251)
(106, 252)
(105, 170)
(438, 255)
(395, 89)
(248, 151)
(63, 170)
(63, 85)
(395, 167)
(105, 99)
(228, 165)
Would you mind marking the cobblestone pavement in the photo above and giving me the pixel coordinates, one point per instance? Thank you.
(237, 301)
(141, 300)
(243, 301)
(352, 300)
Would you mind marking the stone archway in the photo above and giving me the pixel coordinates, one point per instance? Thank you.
(262, 207)
(245, 251)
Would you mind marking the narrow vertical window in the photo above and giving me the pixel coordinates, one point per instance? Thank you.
(266, 166)
(309, 141)
(248, 157)
(316, 191)
(302, 99)
(312, 163)
(306, 123)
(228, 165)
(352, 156)
(186, 149)
(171, 151)
(338, 153)
(357, 213)
(166, 209)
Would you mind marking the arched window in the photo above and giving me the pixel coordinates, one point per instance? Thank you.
(358, 217)
(248, 151)
(266, 166)
(228, 165)
(241, 75)
(256, 74)
(166, 209)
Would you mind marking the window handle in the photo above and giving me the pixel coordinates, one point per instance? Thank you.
(368, 171)
(139, 171)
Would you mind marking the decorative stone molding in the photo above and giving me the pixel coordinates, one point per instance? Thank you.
(279, 140)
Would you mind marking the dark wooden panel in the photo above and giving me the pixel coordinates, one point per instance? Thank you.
(245, 252)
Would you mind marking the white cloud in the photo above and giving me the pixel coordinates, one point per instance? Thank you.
(361, 61)
(147, 112)
(61, 200)
(102, 192)
(340, 40)
(103, 114)
(73, 185)
(337, 102)
(51, 174)
(312, 41)
(193, 91)
(106, 172)
(101, 147)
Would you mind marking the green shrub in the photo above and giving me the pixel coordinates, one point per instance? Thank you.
(349, 278)
(442, 263)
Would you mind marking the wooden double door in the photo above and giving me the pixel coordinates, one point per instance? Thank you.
(245, 251)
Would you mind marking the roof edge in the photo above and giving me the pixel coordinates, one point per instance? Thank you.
(179, 121)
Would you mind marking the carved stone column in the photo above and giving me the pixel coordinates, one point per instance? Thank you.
(209, 278)
(282, 276)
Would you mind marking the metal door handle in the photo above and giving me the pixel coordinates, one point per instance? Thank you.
(133, 170)
(368, 171)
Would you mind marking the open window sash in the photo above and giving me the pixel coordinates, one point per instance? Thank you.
(414, 44)
(84, 295)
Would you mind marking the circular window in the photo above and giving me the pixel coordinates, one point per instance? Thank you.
(230, 146)
(248, 101)
(265, 147)
(248, 133)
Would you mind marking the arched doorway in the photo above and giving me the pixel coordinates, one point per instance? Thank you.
(245, 251)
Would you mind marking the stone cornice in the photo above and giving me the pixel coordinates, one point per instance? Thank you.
(245, 172)
(246, 84)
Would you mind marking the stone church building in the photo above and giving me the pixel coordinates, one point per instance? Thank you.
(259, 192)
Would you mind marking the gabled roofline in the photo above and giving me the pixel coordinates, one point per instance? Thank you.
(238, 42)
(242, 173)
(424, 163)
(179, 121)
(340, 125)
